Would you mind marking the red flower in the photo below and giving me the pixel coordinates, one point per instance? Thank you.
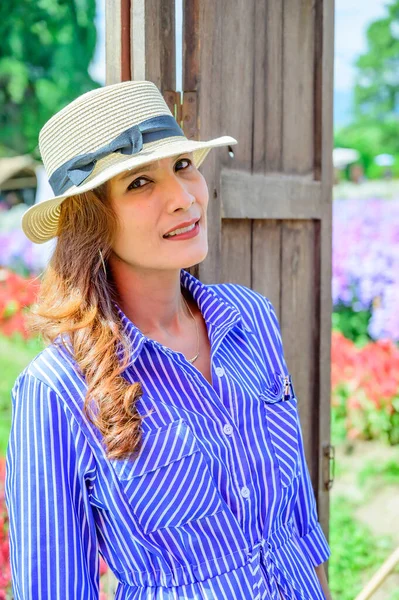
(16, 293)
(365, 380)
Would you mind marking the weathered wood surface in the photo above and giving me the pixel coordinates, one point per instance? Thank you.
(138, 35)
(325, 87)
(113, 41)
(160, 53)
(298, 86)
(272, 196)
(266, 259)
(236, 250)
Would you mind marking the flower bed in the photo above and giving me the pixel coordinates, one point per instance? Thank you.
(16, 294)
(366, 261)
(365, 389)
(18, 253)
(5, 574)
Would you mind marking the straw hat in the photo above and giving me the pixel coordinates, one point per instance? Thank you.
(101, 134)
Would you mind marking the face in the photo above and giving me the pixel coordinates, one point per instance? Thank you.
(157, 199)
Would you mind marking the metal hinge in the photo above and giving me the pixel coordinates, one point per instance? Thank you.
(328, 466)
(184, 107)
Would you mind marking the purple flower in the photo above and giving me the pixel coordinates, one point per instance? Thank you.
(366, 260)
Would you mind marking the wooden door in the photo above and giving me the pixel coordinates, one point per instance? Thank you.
(261, 71)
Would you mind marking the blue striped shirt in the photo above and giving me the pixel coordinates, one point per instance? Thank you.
(218, 504)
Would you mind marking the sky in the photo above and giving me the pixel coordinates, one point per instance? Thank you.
(351, 20)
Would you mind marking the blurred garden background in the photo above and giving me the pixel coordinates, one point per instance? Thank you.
(52, 51)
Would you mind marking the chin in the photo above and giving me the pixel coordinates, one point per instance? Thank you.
(194, 259)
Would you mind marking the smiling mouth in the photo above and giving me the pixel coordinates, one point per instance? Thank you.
(182, 230)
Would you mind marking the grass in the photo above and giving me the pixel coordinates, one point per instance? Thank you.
(386, 473)
(15, 355)
(355, 552)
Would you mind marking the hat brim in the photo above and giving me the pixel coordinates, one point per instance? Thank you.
(40, 222)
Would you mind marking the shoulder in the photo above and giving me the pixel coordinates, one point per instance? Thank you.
(52, 385)
(55, 371)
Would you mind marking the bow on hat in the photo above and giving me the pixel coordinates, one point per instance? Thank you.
(76, 170)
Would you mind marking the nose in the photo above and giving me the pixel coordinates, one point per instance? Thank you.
(178, 194)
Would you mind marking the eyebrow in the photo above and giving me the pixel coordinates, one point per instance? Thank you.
(144, 169)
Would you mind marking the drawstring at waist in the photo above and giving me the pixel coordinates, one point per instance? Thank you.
(261, 560)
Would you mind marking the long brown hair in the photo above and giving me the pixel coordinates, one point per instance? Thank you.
(76, 300)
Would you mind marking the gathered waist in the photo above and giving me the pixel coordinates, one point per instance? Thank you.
(174, 575)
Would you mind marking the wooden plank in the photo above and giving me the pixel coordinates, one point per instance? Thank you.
(266, 259)
(237, 90)
(260, 91)
(274, 87)
(126, 74)
(191, 44)
(224, 56)
(113, 42)
(236, 252)
(160, 52)
(298, 72)
(318, 89)
(206, 51)
(137, 55)
(325, 256)
(299, 287)
(190, 115)
(269, 196)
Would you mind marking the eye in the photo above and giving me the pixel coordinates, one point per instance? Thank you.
(136, 183)
(181, 161)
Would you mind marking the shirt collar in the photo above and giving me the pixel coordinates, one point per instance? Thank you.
(218, 313)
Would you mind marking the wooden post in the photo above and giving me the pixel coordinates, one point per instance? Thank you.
(113, 41)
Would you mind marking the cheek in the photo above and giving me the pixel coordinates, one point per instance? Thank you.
(201, 192)
(134, 230)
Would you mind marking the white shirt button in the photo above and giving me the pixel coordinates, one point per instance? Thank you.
(245, 492)
(227, 429)
(219, 371)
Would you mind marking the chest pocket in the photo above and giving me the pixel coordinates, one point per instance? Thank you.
(283, 425)
(169, 483)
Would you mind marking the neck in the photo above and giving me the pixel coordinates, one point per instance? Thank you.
(151, 299)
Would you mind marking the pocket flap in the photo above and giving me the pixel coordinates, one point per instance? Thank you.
(160, 448)
(280, 388)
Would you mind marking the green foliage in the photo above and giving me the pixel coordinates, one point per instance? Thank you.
(352, 324)
(380, 474)
(15, 355)
(369, 421)
(376, 96)
(355, 552)
(339, 416)
(377, 84)
(46, 48)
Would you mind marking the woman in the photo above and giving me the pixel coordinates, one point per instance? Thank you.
(159, 427)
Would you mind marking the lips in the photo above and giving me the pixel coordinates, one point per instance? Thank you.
(182, 226)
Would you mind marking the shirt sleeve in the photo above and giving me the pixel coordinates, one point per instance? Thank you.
(53, 544)
(309, 529)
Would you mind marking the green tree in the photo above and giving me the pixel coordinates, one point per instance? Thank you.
(45, 51)
(374, 129)
(377, 81)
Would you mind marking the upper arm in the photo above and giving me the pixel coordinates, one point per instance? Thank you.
(53, 547)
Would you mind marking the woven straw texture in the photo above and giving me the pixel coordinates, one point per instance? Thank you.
(89, 123)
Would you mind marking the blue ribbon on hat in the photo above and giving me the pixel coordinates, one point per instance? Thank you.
(76, 170)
